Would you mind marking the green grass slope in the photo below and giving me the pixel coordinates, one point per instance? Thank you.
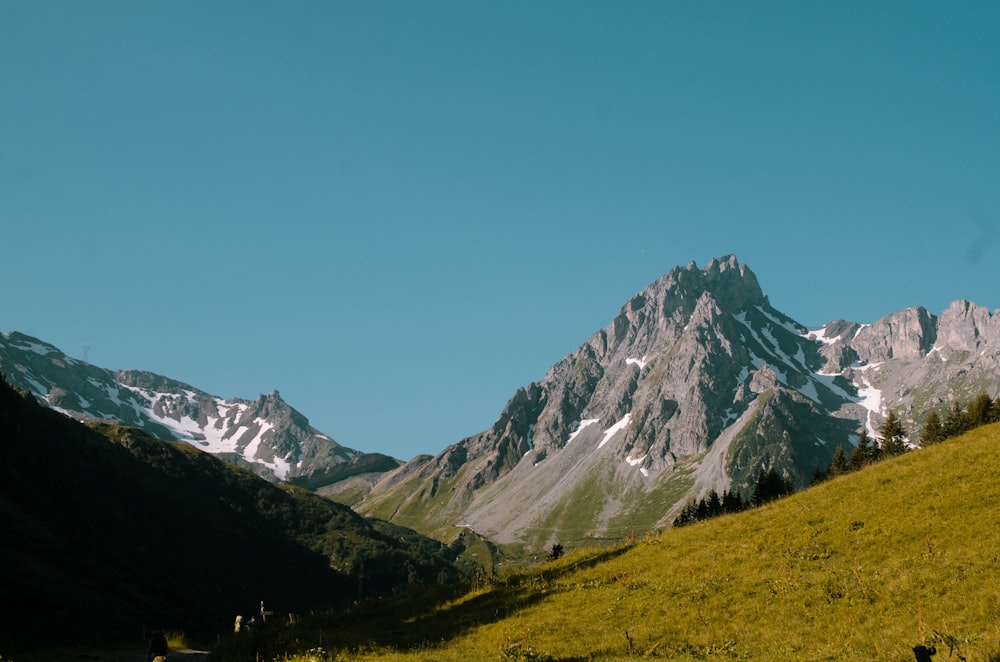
(864, 567)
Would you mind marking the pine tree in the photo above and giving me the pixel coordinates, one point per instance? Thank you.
(862, 453)
(933, 431)
(820, 475)
(978, 413)
(701, 511)
(954, 421)
(714, 504)
(770, 486)
(732, 502)
(839, 465)
(877, 450)
(893, 435)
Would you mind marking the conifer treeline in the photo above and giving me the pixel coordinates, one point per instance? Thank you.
(892, 437)
(892, 441)
(770, 485)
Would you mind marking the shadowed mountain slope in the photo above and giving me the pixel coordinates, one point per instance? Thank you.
(107, 530)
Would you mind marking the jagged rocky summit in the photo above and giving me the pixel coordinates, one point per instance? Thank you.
(265, 435)
(697, 384)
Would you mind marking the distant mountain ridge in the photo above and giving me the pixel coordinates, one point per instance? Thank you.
(697, 384)
(265, 435)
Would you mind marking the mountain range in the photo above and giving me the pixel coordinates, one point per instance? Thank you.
(696, 385)
(265, 435)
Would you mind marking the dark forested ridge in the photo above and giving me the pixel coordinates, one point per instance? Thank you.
(107, 531)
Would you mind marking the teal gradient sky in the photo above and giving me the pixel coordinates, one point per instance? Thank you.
(396, 213)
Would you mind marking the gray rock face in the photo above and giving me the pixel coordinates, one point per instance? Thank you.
(966, 326)
(265, 435)
(697, 384)
(904, 335)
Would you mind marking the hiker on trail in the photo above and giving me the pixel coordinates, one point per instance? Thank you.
(157, 647)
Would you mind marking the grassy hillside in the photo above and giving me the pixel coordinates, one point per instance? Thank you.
(863, 567)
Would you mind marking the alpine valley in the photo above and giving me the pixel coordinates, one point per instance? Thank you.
(697, 385)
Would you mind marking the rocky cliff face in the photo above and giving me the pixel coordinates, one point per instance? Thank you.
(697, 384)
(913, 361)
(265, 435)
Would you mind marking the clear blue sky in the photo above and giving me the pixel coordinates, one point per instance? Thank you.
(396, 213)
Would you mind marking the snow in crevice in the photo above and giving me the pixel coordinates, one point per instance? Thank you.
(39, 389)
(531, 440)
(278, 465)
(821, 336)
(785, 325)
(639, 362)
(615, 429)
(773, 342)
(870, 397)
(800, 358)
(768, 342)
(584, 423)
(809, 390)
(860, 328)
(225, 432)
(828, 380)
(636, 461)
(814, 379)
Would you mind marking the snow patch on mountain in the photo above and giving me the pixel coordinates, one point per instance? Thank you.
(870, 397)
(615, 429)
(584, 423)
(218, 434)
(829, 381)
(791, 328)
(634, 461)
(821, 336)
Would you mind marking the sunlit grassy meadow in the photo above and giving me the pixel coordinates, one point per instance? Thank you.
(863, 567)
